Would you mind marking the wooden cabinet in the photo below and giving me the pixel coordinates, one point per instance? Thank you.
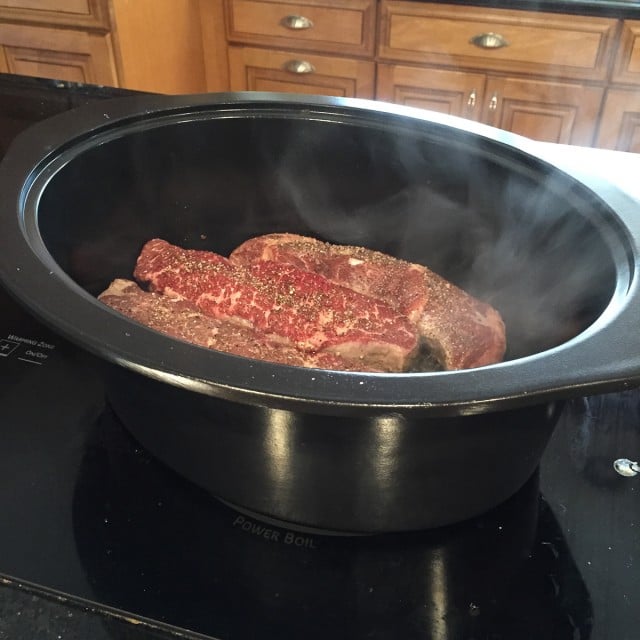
(150, 45)
(72, 55)
(627, 62)
(345, 27)
(271, 70)
(544, 75)
(457, 93)
(527, 42)
(551, 76)
(539, 75)
(620, 119)
(89, 14)
(551, 111)
(319, 46)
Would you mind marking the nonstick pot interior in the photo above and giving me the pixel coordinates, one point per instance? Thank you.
(499, 225)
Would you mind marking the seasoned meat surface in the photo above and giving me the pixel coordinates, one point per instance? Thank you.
(298, 307)
(183, 320)
(461, 331)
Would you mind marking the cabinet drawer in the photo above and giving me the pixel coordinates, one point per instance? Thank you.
(69, 13)
(62, 54)
(270, 70)
(335, 27)
(627, 65)
(505, 40)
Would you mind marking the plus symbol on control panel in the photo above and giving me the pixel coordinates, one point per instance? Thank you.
(6, 347)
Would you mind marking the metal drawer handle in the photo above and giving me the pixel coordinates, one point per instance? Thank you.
(493, 103)
(489, 41)
(299, 66)
(296, 22)
(626, 467)
(471, 101)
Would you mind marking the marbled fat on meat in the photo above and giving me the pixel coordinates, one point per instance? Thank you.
(181, 319)
(297, 306)
(461, 331)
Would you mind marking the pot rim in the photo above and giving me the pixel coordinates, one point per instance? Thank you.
(604, 357)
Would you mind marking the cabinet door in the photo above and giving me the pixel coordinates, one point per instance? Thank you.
(62, 54)
(295, 72)
(456, 93)
(620, 121)
(86, 14)
(159, 45)
(561, 112)
(627, 63)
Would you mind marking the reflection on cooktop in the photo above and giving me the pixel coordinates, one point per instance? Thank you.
(150, 539)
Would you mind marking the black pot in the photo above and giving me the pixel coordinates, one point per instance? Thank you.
(347, 451)
(221, 564)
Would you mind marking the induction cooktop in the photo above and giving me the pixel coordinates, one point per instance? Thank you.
(88, 514)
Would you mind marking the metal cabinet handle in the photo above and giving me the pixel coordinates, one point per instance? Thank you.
(296, 23)
(489, 41)
(471, 101)
(493, 103)
(299, 66)
(626, 467)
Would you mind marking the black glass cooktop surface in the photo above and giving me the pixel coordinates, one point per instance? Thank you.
(88, 515)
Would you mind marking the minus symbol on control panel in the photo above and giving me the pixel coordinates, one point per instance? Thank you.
(27, 360)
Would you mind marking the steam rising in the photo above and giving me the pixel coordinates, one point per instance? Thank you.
(503, 232)
(493, 221)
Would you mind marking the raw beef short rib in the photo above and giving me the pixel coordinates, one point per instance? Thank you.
(461, 331)
(183, 320)
(295, 306)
